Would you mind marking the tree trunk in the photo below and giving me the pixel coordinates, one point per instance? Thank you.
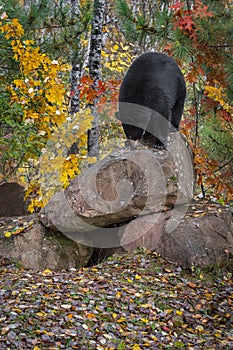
(75, 75)
(94, 70)
(76, 69)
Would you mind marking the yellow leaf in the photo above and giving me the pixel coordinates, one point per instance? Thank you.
(118, 295)
(17, 310)
(92, 160)
(7, 234)
(179, 312)
(169, 311)
(103, 54)
(154, 337)
(46, 272)
(146, 305)
(199, 329)
(217, 334)
(136, 347)
(138, 277)
(126, 48)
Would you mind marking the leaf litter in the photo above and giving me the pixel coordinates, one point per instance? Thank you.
(137, 301)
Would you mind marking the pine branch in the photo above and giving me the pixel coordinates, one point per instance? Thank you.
(224, 165)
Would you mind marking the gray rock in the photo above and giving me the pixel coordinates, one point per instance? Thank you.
(202, 241)
(126, 184)
(38, 248)
(196, 241)
(12, 199)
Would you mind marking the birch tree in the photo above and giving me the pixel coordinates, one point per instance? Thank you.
(76, 66)
(75, 73)
(94, 70)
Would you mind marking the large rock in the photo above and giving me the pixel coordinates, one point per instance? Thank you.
(126, 184)
(38, 248)
(199, 240)
(12, 199)
(144, 231)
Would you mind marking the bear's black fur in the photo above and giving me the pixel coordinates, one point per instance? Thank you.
(151, 99)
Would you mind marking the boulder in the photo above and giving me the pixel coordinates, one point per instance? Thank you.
(128, 183)
(12, 199)
(199, 240)
(38, 248)
(144, 231)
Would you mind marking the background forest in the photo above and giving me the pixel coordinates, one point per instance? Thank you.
(61, 65)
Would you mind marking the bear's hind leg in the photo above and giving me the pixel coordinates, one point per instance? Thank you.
(152, 141)
(132, 132)
(177, 111)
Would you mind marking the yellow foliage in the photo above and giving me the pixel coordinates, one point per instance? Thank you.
(116, 58)
(56, 168)
(217, 94)
(40, 91)
(12, 29)
(41, 94)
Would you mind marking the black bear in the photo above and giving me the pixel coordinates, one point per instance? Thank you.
(151, 99)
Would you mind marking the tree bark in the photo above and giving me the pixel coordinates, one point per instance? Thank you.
(75, 74)
(94, 70)
(76, 67)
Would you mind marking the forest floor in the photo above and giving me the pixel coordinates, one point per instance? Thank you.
(136, 301)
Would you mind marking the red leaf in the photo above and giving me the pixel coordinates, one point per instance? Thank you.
(187, 23)
(177, 6)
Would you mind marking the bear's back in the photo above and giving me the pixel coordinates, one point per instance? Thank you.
(151, 73)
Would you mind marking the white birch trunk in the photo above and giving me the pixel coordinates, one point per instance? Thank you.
(94, 70)
(76, 69)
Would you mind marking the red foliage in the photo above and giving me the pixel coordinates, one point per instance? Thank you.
(103, 91)
(185, 20)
